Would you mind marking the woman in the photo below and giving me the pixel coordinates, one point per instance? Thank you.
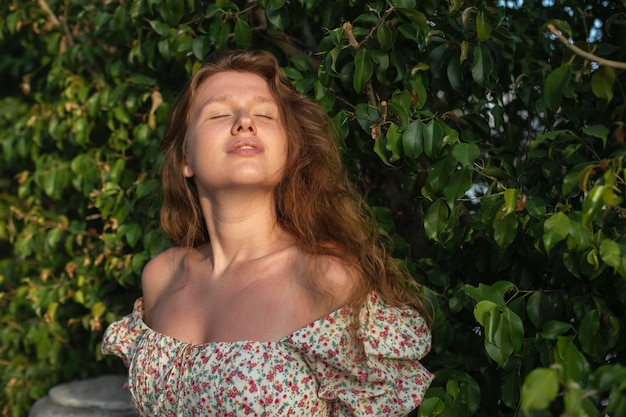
(278, 298)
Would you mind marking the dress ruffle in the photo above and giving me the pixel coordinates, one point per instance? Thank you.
(121, 337)
(375, 369)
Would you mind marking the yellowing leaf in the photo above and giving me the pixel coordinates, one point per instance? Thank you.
(483, 27)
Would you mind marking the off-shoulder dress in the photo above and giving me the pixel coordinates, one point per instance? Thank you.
(330, 367)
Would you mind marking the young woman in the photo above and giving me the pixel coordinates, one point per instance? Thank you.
(278, 298)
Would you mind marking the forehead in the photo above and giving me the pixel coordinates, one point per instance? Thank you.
(232, 85)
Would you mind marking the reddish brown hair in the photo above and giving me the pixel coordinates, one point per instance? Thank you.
(315, 202)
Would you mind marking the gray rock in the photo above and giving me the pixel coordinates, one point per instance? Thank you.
(104, 392)
(45, 407)
(103, 396)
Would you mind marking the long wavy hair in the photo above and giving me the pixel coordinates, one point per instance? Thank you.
(315, 201)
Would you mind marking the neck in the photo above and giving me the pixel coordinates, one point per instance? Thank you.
(242, 226)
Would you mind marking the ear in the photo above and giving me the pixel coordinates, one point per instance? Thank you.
(187, 171)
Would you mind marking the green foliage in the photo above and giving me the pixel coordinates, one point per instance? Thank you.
(492, 154)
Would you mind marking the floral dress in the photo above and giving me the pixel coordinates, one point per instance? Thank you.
(329, 368)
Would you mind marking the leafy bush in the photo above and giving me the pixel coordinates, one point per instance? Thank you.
(491, 150)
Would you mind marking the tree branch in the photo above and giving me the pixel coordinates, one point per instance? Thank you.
(585, 54)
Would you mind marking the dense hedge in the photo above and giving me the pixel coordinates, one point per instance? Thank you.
(491, 149)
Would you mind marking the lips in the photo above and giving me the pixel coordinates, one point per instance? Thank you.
(245, 146)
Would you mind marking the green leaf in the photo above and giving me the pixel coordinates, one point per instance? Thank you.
(431, 407)
(574, 366)
(439, 174)
(340, 123)
(485, 292)
(80, 128)
(536, 207)
(554, 328)
(200, 47)
(121, 115)
(275, 4)
(141, 79)
(514, 333)
(502, 334)
(510, 201)
(393, 141)
(579, 238)
(453, 71)
(540, 388)
(160, 28)
(466, 153)
(164, 49)
(556, 228)
(399, 108)
(416, 17)
(410, 4)
(384, 219)
(482, 64)
(380, 148)
(279, 17)
(610, 253)
(609, 376)
(384, 35)
(556, 83)
(412, 139)
(53, 237)
(482, 309)
(602, 82)
(577, 404)
(171, 11)
(439, 278)
(243, 33)
(599, 131)
(592, 205)
(362, 70)
(459, 182)
(505, 230)
(588, 331)
(435, 220)
(433, 137)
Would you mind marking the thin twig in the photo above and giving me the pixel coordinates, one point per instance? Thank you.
(44, 5)
(382, 21)
(585, 54)
(369, 89)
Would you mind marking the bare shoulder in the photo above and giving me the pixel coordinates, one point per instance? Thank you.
(158, 276)
(336, 278)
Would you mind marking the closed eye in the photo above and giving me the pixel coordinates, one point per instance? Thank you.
(218, 116)
(265, 116)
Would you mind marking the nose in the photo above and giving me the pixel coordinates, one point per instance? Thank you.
(244, 124)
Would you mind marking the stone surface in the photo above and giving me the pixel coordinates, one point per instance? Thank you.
(105, 392)
(103, 396)
(45, 407)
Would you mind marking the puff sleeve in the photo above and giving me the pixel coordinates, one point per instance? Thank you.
(121, 337)
(373, 370)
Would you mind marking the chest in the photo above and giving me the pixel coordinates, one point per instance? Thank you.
(261, 310)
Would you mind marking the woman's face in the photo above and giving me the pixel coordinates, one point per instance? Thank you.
(235, 136)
